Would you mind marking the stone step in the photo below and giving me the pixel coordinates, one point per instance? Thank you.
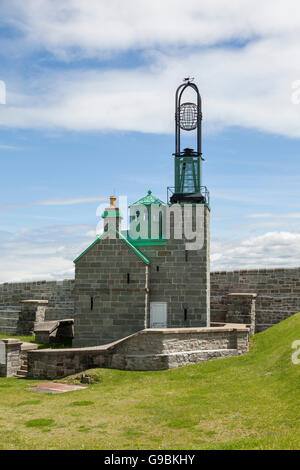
(21, 373)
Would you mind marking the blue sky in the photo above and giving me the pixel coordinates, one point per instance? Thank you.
(90, 111)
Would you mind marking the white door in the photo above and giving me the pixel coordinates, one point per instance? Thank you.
(2, 353)
(158, 314)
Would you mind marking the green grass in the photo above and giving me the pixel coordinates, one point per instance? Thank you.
(31, 339)
(25, 339)
(39, 423)
(246, 402)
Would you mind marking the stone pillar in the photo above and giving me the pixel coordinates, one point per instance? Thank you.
(10, 357)
(31, 311)
(241, 309)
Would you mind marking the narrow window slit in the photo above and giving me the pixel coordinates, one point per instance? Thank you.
(92, 303)
(128, 278)
(185, 314)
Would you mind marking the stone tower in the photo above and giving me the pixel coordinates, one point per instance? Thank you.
(156, 274)
(178, 244)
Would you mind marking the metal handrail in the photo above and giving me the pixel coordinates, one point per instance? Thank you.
(203, 191)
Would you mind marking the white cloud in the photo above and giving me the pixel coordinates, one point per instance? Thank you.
(292, 215)
(48, 253)
(98, 25)
(55, 202)
(72, 201)
(44, 253)
(9, 147)
(273, 249)
(91, 234)
(248, 86)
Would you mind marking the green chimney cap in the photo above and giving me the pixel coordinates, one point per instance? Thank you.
(111, 213)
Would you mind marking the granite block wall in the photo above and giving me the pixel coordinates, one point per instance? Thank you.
(54, 291)
(180, 277)
(278, 293)
(111, 293)
(59, 294)
(56, 363)
(241, 309)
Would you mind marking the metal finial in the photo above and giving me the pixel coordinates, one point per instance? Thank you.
(188, 79)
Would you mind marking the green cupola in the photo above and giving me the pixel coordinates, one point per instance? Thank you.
(146, 216)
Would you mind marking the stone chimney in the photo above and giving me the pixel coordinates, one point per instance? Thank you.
(112, 217)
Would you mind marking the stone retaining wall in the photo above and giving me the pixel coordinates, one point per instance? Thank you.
(54, 291)
(278, 293)
(13, 316)
(151, 349)
(56, 363)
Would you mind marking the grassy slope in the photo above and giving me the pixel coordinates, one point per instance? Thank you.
(247, 402)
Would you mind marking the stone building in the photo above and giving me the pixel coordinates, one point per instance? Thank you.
(155, 275)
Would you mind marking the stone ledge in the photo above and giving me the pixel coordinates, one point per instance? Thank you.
(241, 294)
(28, 346)
(208, 329)
(11, 341)
(71, 350)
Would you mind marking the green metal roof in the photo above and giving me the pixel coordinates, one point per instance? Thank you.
(120, 236)
(148, 200)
